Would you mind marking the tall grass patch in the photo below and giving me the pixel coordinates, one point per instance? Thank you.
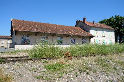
(95, 49)
(50, 51)
(46, 51)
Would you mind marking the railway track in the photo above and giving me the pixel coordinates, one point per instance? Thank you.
(20, 58)
(14, 59)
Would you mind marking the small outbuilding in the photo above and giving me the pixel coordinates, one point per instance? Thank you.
(5, 41)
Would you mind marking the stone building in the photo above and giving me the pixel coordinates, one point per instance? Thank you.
(30, 33)
(5, 41)
(102, 33)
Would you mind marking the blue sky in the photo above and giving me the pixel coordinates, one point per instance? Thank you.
(63, 12)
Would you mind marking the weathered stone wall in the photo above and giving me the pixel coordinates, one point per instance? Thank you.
(101, 35)
(36, 37)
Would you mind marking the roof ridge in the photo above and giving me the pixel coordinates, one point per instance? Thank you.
(39, 22)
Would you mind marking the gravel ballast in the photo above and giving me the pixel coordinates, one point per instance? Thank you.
(28, 71)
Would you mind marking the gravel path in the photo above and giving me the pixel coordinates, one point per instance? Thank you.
(27, 72)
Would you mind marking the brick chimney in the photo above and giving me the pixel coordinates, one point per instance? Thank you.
(84, 20)
(93, 22)
(77, 22)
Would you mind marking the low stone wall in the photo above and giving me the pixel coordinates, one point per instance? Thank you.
(23, 47)
(28, 47)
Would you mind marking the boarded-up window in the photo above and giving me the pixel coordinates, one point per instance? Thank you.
(44, 39)
(73, 40)
(59, 40)
(25, 40)
(84, 40)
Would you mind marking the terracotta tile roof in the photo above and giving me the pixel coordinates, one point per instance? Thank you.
(21, 25)
(98, 25)
(5, 37)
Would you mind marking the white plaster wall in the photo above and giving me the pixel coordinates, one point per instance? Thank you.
(102, 36)
(97, 32)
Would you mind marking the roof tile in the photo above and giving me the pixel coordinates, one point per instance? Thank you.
(21, 25)
(5, 37)
(98, 25)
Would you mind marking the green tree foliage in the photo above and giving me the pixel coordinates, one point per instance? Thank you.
(116, 22)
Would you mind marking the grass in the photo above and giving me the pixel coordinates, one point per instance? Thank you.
(54, 67)
(4, 77)
(45, 51)
(1, 60)
(94, 49)
(50, 51)
(104, 64)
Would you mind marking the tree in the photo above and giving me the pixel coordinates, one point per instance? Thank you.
(116, 22)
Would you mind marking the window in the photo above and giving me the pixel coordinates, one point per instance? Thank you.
(104, 42)
(103, 33)
(84, 40)
(2, 42)
(44, 39)
(73, 40)
(59, 40)
(25, 40)
(97, 41)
